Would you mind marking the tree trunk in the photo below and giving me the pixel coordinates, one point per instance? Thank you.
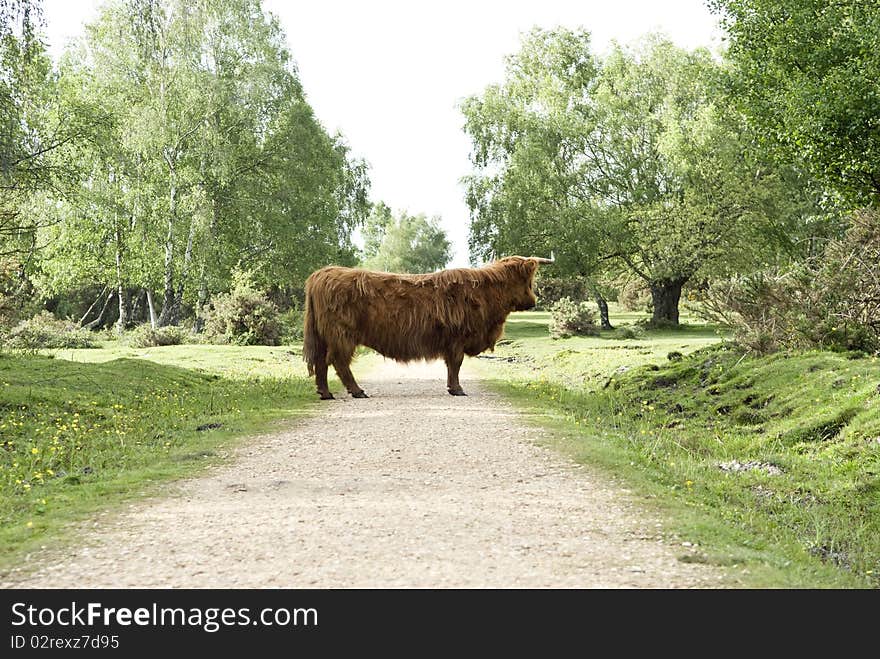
(97, 321)
(135, 308)
(152, 309)
(199, 323)
(665, 295)
(123, 317)
(91, 308)
(120, 323)
(603, 312)
(184, 270)
(169, 302)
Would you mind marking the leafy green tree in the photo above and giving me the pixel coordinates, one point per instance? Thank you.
(806, 77)
(375, 227)
(37, 128)
(620, 163)
(23, 73)
(210, 159)
(40, 133)
(405, 243)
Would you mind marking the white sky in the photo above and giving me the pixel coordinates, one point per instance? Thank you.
(390, 74)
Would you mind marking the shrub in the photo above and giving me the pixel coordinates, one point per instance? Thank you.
(145, 336)
(625, 332)
(550, 290)
(46, 331)
(568, 318)
(830, 302)
(18, 299)
(244, 316)
(635, 295)
(291, 325)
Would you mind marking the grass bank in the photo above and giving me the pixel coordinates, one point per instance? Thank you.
(770, 465)
(82, 430)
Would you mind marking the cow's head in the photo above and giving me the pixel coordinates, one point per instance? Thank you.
(522, 280)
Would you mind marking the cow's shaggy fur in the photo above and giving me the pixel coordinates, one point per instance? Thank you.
(445, 314)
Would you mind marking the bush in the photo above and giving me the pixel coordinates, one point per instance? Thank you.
(291, 325)
(550, 290)
(46, 331)
(145, 336)
(568, 318)
(244, 316)
(625, 332)
(18, 299)
(831, 302)
(635, 295)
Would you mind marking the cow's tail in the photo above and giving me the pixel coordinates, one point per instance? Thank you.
(313, 344)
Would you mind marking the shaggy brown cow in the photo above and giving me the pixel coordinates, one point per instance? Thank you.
(448, 314)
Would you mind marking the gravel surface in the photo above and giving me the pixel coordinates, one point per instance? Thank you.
(409, 488)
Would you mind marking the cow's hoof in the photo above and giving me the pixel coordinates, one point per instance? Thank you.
(359, 394)
(456, 392)
(327, 396)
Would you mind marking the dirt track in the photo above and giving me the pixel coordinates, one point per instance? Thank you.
(409, 488)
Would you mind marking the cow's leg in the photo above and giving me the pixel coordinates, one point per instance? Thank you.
(343, 369)
(321, 375)
(453, 364)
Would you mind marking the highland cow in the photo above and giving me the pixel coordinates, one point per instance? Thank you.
(448, 314)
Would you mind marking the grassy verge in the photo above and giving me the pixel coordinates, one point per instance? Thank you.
(85, 429)
(771, 465)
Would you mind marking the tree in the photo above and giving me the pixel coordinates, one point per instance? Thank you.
(23, 77)
(806, 77)
(36, 128)
(375, 227)
(405, 243)
(40, 132)
(210, 160)
(623, 163)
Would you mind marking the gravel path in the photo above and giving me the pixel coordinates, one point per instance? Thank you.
(409, 488)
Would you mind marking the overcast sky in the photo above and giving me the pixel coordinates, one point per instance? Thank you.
(390, 74)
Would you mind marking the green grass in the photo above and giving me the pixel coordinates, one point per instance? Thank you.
(82, 430)
(771, 465)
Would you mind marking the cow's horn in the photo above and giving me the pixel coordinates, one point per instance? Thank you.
(541, 259)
